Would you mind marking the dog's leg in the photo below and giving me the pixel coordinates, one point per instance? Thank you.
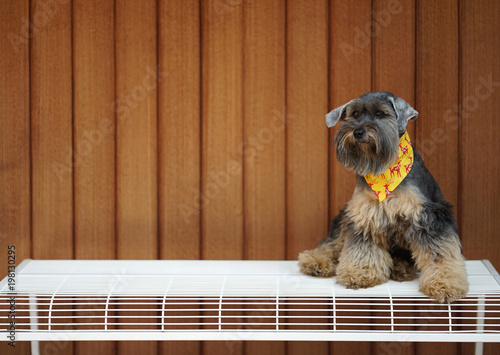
(437, 253)
(443, 276)
(322, 261)
(363, 263)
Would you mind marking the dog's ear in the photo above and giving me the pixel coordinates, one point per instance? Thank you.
(335, 115)
(404, 112)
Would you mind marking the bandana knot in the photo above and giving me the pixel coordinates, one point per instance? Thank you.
(383, 184)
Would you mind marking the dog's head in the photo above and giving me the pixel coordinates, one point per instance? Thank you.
(367, 140)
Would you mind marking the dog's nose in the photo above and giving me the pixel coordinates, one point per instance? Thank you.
(359, 133)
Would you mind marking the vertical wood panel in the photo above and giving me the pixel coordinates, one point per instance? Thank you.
(15, 131)
(480, 76)
(264, 129)
(51, 140)
(222, 201)
(51, 134)
(307, 135)
(179, 138)
(264, 137)
(136, 146)
(479, 125)
(350, 77)
(437, 92)
(14, 136)
(179, 129)
(136, 85)
(94, 138)
(437, 66)
(222, 137)
(94, 123)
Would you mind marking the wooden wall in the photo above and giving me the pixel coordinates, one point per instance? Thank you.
(195, 129)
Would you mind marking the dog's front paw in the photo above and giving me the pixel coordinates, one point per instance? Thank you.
(445, 281)
(445, 291)
(315, 263)
(360, 278)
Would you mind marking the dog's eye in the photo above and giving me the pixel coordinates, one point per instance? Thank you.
(355, 114)
(380, 113)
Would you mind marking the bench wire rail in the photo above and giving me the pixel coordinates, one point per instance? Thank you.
(82, 300)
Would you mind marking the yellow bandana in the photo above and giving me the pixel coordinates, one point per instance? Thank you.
(383, 184)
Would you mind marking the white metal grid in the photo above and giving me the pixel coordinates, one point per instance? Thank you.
(235, 300)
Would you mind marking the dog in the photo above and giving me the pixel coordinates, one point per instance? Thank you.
(397, 222)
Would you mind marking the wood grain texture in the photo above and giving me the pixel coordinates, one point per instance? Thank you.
(222, 182)
(480, 75)
(15, 225)
(136, 142)
(94, 138)
(51, 134)
(478, 127)
(307, 135)
(264, 129)
(179, 129)
(393, 41)
(437, 65)
(94, 129)
(15, 200)
(136, 129)
(222, 202)
(350, 77)
(51, 141)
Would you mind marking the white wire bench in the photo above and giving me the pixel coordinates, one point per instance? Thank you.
(83, 300)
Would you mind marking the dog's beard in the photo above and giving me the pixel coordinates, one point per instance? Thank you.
(375, 154)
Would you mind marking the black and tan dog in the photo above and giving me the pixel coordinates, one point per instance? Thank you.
(397, 222)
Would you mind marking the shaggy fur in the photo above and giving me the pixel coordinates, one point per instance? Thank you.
(412, 229)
